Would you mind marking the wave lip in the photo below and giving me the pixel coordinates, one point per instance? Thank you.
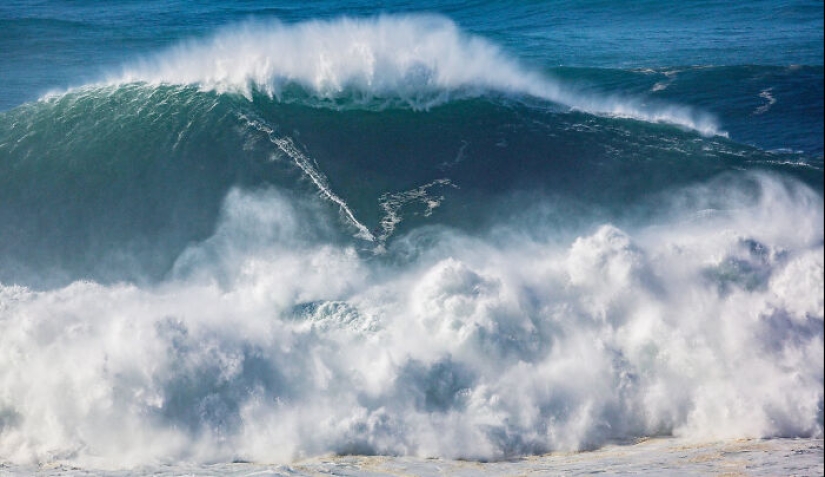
(381, 56)
(267, 344)
(420, 61)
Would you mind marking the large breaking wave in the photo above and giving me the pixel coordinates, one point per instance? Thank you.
(420, 61)
(430, 263)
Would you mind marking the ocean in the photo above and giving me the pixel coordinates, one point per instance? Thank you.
(441, 238)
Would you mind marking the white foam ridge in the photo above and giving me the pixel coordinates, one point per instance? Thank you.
(420, 60)
(268, 343)
(310, 169)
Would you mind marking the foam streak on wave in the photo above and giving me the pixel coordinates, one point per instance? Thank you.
(421, 61)
(392, 204)
(303, 162)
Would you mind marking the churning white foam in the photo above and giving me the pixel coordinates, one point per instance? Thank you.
(419, 60)
(269, 343)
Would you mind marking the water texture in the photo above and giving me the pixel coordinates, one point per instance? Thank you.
(267, 232)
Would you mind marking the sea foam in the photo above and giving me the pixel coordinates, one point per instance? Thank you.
(417, 60)
(268, 343)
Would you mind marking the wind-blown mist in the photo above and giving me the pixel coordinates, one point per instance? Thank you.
(421, 61)
(271, 343)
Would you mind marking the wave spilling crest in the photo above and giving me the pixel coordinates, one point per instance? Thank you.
(419, 61)
(258, 247)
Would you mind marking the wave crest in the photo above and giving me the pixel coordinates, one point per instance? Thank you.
(420, 60)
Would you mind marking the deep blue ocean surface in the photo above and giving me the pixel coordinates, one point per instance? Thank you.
(266, 230)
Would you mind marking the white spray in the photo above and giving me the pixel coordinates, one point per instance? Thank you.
(419, 60)
(270, 344)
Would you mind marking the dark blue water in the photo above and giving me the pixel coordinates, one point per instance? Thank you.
(51, 46)
(462, 229)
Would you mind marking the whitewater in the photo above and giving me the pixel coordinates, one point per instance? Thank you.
(386, 244)
(420, 61)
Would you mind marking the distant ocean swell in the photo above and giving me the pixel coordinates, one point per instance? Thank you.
(231, 252)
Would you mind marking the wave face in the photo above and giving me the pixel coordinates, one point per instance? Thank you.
(388, 236)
